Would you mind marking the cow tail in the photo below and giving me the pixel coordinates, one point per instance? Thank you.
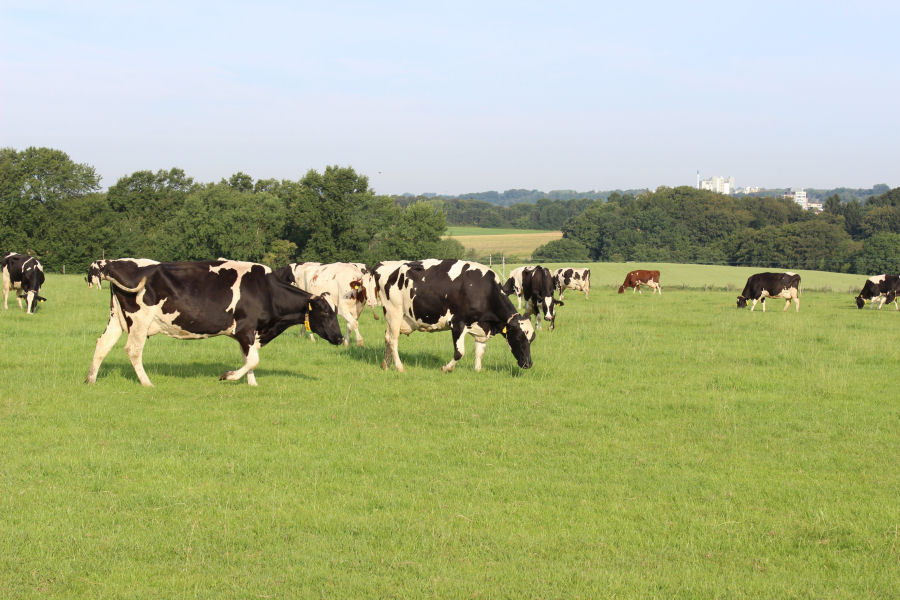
(125, 288)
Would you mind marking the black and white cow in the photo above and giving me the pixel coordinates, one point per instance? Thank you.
(536, 285)
(95, 270)
(25, 274)
(771, 285)
(462, 296)
(883, 287)
(93, 273)
(191, 300)
(572, 279)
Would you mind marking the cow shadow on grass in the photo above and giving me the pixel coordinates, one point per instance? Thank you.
(424, 359)
(196, 369)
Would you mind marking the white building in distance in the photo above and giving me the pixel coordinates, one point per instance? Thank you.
(798, 196)
(718, 184)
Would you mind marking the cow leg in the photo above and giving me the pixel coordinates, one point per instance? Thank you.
(764, 304)
(353, 325)
(753, 306)
(391, 338)
(134, 347)
(881, 303)
(251, 361)
(30, 298)
(519, 301)
(105, 343)
(459, 346)
(480, 347)
(531, 309)
(349, 314)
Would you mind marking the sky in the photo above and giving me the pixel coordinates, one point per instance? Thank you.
(461, 97)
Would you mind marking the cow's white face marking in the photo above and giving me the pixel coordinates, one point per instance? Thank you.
(528, 329)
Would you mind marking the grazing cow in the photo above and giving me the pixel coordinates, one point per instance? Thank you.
(536, 285)
(572, 279)
(346, 283)
(513, 285)
(635, 279)
(93, 273)
(884, 287)
(95, 270)
(771, 285)
(192, 300)
(25, 274)
(462, 296)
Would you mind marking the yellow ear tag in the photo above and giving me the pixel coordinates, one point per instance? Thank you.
(306, 318)
(504, 331)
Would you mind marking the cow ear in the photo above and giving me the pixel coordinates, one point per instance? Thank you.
(355, 285)
(560, 303)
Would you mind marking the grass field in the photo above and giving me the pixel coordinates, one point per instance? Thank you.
(662, 446)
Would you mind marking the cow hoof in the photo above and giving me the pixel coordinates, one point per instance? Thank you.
(359, 344)
(346, 342)
(447, 368)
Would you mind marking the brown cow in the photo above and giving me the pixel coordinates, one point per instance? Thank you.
(635, 279)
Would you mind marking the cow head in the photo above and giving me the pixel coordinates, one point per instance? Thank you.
(321, 319)
(860, 301)
(742, 302)
(622, 289)
(548, 309)
(519, 333)
(509, 287)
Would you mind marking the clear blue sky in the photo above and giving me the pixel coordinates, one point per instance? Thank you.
(461, 96)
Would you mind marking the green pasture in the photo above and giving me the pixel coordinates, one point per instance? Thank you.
(662, 447)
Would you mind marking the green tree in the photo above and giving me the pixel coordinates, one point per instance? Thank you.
(339, 216)
(32, 183)
(562, 250)
(880, 254)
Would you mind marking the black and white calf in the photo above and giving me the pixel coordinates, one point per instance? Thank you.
(536, 285)
(883, 287)
(25, 274)
(572, 279)
(192, 300)
(462, 296)
(771, 285)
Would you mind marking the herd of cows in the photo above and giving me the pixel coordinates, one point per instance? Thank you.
(253, 304)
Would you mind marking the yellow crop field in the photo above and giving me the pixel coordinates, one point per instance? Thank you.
(509, 244)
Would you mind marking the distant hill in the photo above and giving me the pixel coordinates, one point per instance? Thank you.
(522, 196)
(519, 196)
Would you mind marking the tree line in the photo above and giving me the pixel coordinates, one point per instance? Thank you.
(688, 225)
(52, 207)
